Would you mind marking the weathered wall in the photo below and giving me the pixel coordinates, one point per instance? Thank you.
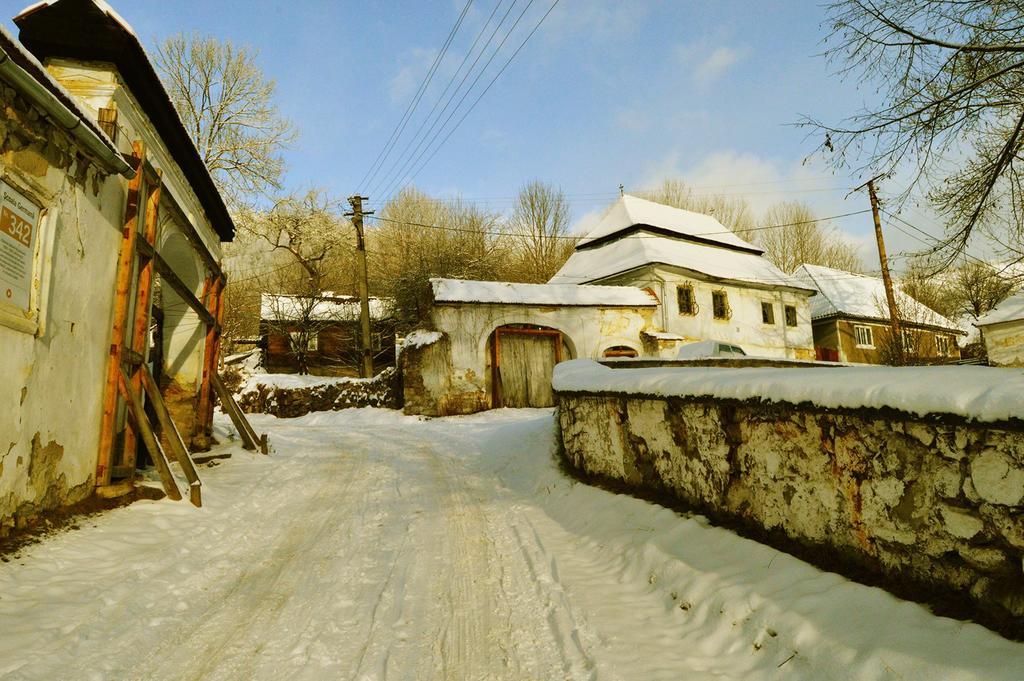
(380, 391)
(937, 503)
(453, 376)
(744, 327)
(1004, 343)
(53, 375)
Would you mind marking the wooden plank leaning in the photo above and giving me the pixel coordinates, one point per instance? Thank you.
(163, 416)
(138, 415)
(249, 439)
(122, 289)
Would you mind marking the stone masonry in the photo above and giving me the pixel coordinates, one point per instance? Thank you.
(934, 503)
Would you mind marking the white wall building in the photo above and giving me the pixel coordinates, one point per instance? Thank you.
(1003, 332)
(95, 168)
(710, 283)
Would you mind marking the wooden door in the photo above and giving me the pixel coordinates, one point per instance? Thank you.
(525, 361)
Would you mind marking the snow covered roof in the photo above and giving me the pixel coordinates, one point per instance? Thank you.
(501, 292)
(284, 307)
(92, 30)
(640, 249)
(631, 211)
(1010, 310)
(856, 295)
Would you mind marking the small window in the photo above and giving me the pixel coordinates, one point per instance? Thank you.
(720, 305)
(311, 340)
(684, 296)
(909, 341)
(767, 313)
(942, 344)
(620, 351)
(790, 315)
(865, 339)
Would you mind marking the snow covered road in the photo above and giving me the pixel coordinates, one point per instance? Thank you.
(372, 546)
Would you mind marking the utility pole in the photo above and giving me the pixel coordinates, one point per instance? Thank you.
(890, 296)
(366, 365)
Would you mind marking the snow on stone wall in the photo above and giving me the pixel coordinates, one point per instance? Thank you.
(933, 502)
(289, 395)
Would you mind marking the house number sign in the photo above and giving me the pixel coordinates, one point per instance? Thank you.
(19, 220)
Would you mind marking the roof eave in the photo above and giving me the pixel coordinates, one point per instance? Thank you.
(55, 30)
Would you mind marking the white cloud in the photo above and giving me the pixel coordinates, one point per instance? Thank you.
(707, 63)
(715, 64)
(404, 83)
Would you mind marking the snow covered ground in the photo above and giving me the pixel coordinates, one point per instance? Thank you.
(370, 545)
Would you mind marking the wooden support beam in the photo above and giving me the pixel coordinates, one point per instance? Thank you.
(181, 453)
(249, 439)
(205, 410)
(138, 414)
(122, 288)
(143, 296)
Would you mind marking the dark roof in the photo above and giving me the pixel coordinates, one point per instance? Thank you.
(82, 29)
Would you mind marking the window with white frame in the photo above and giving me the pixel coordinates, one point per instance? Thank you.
(942, 344)
(909, 341)
(310, 340)
(865, 338)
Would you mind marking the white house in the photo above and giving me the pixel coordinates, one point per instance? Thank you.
(496, 343)
(1002, 328)
(103, 194)
(710, 283)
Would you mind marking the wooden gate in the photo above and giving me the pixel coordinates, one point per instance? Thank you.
(522, 363)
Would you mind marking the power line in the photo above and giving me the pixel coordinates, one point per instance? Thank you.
(407, 116)
(399, 161)
(487, 88)
(580, 237)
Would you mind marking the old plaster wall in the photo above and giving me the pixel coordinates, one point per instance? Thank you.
(1004, 343)
(98, 85)
(53, 377)
(937, 503)
(453, 376)
(744, 327)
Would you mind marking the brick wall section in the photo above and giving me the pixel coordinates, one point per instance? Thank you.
(934, 503)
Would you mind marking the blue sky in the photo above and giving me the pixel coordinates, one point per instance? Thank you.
(605, 93)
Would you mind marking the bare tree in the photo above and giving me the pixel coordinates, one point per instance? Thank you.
(417, 237)
(951, 78)
(733, 212)
(227, 105)
(791, 235)
(306, 229)
(539, 228)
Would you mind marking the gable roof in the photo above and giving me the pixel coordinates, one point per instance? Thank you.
(849, 294)
(637, 250)
(92, 30)
(631, 214)
(507, 293)
(1010, 310)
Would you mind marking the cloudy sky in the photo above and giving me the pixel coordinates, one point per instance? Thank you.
(606, 92)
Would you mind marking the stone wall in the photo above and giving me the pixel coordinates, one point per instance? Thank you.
(380, 391)
(927, 505)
